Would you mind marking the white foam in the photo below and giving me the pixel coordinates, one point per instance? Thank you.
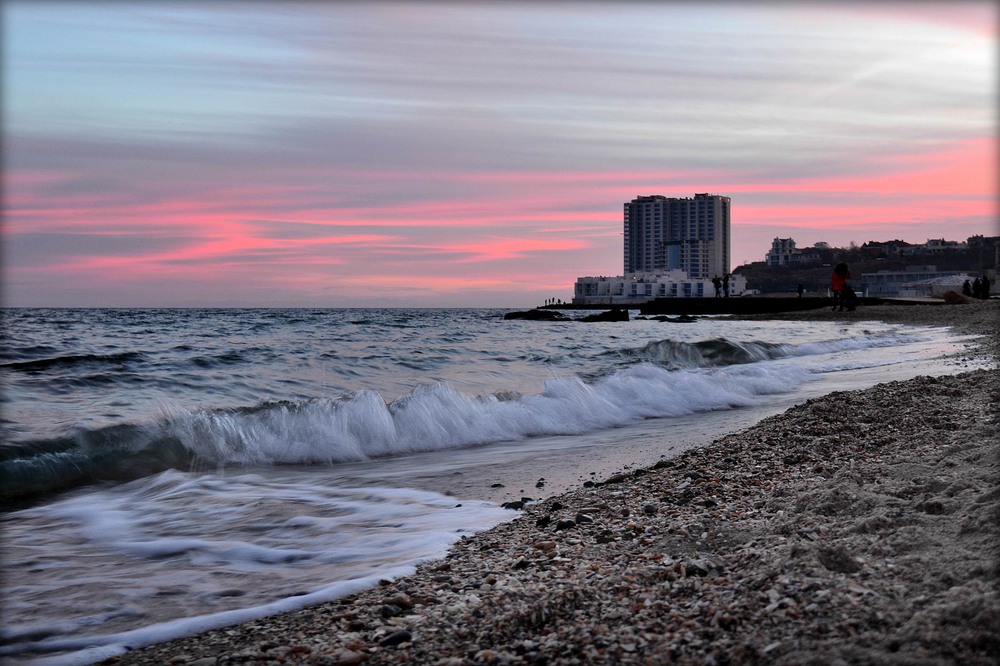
(184, 552)
(438, 417)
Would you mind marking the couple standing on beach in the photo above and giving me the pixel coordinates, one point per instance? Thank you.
(840, 285)
(977, 289)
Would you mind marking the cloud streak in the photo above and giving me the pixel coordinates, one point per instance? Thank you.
(446, 154)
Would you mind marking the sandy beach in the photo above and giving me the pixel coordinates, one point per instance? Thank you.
(859, 528)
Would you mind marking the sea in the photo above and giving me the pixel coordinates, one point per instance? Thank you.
(169, 471)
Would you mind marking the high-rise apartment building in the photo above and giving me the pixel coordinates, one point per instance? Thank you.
(666, 233)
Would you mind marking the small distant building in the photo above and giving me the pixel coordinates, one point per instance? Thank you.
(934, 287)
(781, 252)
(784, 253)
(637, 288)
(902, 283)
(934, 246)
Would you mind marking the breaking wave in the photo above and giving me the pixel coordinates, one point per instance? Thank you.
(720, 352)
(364, 426)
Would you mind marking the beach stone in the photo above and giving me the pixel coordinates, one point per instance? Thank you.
(400, 599)
(348, 657)
(931, 507)
(396, 638)
(837, 559)
(955, 298)
(390, 610)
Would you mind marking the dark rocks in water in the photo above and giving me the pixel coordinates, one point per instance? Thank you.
(537, 315)
(617, 314)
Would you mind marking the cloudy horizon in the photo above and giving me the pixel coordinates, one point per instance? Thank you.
(171, 153)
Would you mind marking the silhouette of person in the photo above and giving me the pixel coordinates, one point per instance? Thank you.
(801, 289)
(717, 283)
(984, 288)
(838, 282)
(977, 288)
(967, 288)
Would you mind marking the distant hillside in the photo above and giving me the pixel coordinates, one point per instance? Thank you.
(815, 277)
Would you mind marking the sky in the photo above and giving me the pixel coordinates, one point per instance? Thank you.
(451, 154)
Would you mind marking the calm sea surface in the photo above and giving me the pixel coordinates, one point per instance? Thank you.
(169, 471)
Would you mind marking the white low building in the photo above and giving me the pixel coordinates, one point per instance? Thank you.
(935, 287)
(894, 283)
(637, 288)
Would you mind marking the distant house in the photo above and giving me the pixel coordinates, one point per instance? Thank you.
(934, 246)
(784, 253)
(781, 252)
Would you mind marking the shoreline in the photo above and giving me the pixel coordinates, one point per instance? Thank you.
(860, 527)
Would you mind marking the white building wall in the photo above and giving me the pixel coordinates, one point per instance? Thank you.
(638, 288)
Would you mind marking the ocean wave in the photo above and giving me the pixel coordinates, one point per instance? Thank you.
(71, 361)
(363, 425)
(707, 353)
(721, 352)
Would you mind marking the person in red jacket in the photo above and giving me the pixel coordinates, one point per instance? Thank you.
(839, 281)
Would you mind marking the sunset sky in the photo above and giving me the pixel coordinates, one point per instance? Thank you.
(339, 154)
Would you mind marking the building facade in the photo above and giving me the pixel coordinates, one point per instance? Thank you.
(782, 251)
(638, 288)
(902, 283)
(666, 234)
